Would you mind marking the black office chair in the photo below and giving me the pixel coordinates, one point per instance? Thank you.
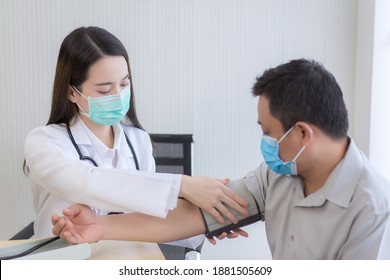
(173, 154)
(24, 233)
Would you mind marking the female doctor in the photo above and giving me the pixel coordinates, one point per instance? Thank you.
(94, 150)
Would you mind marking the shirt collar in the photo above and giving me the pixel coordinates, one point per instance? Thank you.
(118, 139)
(101, 149)
(346, 177)
(84, 136)
(341, 183)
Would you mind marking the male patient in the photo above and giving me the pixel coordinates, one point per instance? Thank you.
(317, 193)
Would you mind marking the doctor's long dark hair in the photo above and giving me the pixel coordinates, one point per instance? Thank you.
(79, 50)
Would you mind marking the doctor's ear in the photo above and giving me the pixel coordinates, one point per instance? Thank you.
(306, 132)
(72, 94)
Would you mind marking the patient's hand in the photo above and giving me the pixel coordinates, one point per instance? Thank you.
(232, 234)
(78, 225)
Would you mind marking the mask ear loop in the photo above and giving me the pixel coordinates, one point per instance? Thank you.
(79, 92)
(284, 136)
(299, 153)
(84, 113)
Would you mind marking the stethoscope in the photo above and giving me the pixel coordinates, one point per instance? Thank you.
(82, 157)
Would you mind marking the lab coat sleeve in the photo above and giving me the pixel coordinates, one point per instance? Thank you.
(55, 166)
(191, 243)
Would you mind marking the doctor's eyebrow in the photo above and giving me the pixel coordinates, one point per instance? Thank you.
(110, 83)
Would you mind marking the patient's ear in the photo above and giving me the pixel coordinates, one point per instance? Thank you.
(307, 133)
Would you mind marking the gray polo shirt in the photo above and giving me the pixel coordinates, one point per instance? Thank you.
(348, 218)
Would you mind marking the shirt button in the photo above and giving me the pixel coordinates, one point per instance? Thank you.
(292, 237)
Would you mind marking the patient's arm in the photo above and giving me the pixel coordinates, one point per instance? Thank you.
(80, 224)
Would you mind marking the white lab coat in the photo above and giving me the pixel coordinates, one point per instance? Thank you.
(59, 178)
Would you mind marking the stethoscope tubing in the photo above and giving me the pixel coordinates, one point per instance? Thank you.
(82, 157)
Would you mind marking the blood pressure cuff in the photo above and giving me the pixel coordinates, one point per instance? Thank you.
(239, 187)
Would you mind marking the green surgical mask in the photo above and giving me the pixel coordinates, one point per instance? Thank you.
(107, 110)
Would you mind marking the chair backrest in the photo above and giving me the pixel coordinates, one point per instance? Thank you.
(173, 153)
(24, 233)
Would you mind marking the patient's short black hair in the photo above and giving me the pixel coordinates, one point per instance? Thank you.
(303, 90)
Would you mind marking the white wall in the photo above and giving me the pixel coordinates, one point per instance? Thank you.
(194, 63)
(372, 83)
(380, 88)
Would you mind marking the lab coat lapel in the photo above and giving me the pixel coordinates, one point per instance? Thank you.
(125, 156)
(83, 141)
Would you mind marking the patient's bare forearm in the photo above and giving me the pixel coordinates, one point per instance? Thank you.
(183, 222)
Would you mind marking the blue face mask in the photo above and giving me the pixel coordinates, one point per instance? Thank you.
(107, 110)
(270, 150)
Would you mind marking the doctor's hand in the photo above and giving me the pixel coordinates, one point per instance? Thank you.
(80, 224)
(230, 235)
(213, 196)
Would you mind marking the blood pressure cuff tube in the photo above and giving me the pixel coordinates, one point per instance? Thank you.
(239, 187)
